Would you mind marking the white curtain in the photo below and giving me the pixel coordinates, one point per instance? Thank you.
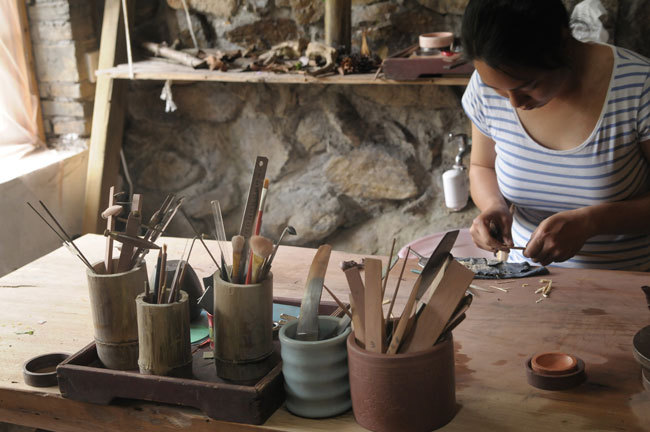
(18, 105)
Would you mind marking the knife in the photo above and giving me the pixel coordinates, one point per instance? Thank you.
(435, 261)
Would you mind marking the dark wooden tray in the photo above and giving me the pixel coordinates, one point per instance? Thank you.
(405, 69)
(82, 377)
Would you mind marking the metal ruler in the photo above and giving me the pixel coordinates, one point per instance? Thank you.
(250, 212)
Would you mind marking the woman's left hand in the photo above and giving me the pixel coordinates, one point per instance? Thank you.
(558, 238)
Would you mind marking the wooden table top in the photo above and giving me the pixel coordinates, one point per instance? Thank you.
(592, 314)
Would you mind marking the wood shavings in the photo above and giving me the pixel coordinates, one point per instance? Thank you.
(524, 285)
(545, 290)
(498, 288)
(479, 288)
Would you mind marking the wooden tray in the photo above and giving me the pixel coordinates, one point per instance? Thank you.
(405, 69)
(82, 377)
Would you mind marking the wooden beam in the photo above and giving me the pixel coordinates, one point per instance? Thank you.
(26, 41)
(108, 118)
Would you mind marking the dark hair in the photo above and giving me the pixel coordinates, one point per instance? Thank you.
(513, 33)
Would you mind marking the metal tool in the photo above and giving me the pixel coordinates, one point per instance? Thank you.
(250, 211)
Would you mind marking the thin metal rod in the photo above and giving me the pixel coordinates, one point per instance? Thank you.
(81, 255)
(196, 233)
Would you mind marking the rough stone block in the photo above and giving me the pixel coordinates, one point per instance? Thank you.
(70, 90)
(445, 6)
(264, 33)
(56, 62)
(66, 108)
(50, 11)
(43, 31)
(64, 126)
(307, 11)
(378, 12)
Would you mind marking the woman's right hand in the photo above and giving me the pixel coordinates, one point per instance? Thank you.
(491, 229)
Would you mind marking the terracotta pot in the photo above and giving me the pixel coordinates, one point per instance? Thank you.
(412, 392)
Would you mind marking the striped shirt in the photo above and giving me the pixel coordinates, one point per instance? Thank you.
(608, 166)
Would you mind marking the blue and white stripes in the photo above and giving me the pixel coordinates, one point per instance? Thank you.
(609, 166)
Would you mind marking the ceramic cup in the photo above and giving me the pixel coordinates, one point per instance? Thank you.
(413, 392)
(315, 372)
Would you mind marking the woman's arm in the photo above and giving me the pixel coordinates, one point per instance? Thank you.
(487, 196)
(562, 235)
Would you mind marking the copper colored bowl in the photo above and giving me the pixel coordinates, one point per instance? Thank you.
(554, 363)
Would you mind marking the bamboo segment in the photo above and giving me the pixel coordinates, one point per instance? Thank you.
(243, 327)
(164, 334)
(338, 18)
(112, 303)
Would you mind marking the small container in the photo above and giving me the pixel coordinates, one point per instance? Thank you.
(455, 186)
(554, 363)
(436, 40)
(164, 334)
(112, 305)
(412, 392)
(316, 372)
(243, 328)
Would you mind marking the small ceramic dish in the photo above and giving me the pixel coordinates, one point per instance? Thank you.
(645, 377)
(436, 40)
(554, 363)
(40, 371)
(641, 344)
(556, 382)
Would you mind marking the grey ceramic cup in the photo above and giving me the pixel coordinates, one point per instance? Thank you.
(316, 372)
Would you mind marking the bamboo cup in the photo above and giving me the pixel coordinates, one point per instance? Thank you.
(243, 328)
(112, 304)
(164, 334)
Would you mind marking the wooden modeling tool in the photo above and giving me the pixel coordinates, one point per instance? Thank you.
(178, 270)
(177, 283)
(357, 291)
(389, 267)
(250, 211)
(267, 265)
(261, 248)
(132, 241)
(374, 314)
(342, 306)
(440, 307)
(308, 319)
(109, 214)
(237, 248)
(399, 281)
(65, 238)
(162, 271)
(160, 221)
(132, 228)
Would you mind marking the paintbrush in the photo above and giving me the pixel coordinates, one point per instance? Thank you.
(237, 247)
(258, 228)
(163, 274)
(261, 248)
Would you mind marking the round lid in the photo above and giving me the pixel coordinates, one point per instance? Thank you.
(40, 371)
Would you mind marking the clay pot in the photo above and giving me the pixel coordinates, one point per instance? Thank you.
(413, 392)
(436, 40)
(315, 372)
(554, 363)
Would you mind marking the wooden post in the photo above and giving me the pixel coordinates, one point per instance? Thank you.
(108, 117)
(338, 17)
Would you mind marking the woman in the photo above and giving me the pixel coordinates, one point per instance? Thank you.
(560, 131)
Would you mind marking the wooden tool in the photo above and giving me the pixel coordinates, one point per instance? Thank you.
(128, 240)
(343, 307)
(252, 202)
(374, 315)
(308, 319)
(586, 254)
(357, 290)
(440, 307)
(388, 268)
(237, 248)
(261, 248)
(132, 227)
(399, 281)
(109, 214)
(220, 235)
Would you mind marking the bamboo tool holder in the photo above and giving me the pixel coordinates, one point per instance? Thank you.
(112, 305)
(164, 336)
(243, 328)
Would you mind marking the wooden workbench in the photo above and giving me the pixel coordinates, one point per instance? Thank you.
(592, 314)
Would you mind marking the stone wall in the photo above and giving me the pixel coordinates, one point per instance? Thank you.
(354, 166)
(62, 33)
